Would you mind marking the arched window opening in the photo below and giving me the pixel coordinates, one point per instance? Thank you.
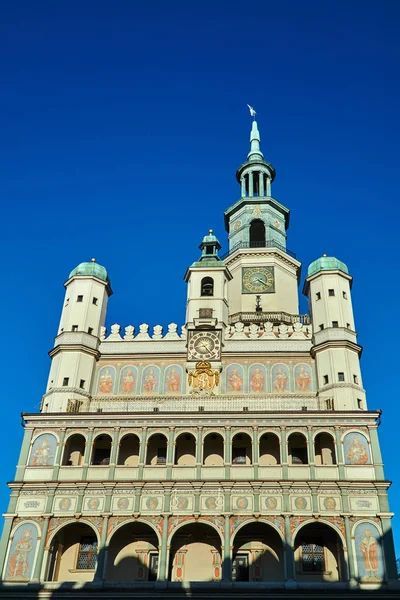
(157, 450)
(72, 554)
(196, 554)
(256, 183)
(213, 450)
(128, 454)
(185, 450)
(74, 451)
(324, 450)
(257, 554)
(207, 286)
(257, 234)
(133, 554)
(319, 554)
(242, 449)
(269, 450)
(102, 450)
(297, 449)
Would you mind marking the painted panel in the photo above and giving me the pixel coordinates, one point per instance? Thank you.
(31, 505)
(106, 380)
(93, 503)
(329, 503)
(128, 380)
(234, 378)
(257, 379)
(70, 473)
(21, 558)
(64, 504)
(211, 503)
(365, 503)
(173, 380)
(242, 503)
(43, 451)
(302, 377)
(152, 503)
(301, 503)
(270, 503)
(369, 553)
(180, 502)
(280, 378)
(151, 380)
(360, 472)
(123, 503)
(356, 449)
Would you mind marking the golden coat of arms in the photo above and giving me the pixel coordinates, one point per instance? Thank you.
(203, 379)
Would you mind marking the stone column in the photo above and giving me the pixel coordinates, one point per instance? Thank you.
(170, 451)
(113, 455)
(40, 555)
(228, 452)
(23, 455)
(339, 453)
(243, 186)
(162, 568)
(8, 523)
(311, 453)
(284, 453)
(227, 558)
(290, 574)
(376, 453)
(388, 548)
(88, 453)
(142, 452)
(250, 183)
(261, 183)
(350, 553)
(255, 451)
(100, 574)
(59, 454)
(199, 452)
(268, 186)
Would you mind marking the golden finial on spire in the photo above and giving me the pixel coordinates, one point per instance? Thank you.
(324, 255)
(93, 260)
(210, 231)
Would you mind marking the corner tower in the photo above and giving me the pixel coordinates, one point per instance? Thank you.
(258, 258)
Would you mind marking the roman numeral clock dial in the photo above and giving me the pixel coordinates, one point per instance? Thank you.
(204, 345)
(258, 280)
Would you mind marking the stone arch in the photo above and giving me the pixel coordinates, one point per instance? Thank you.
(101, 449)
(134, 520)
(213, 449)
(74, 450)
(269, 449)
(156, 452)
(260, 520)
(257, 552)
(185, 449)
(129, 450)
(297, 448)
(133, 549)
(71, 545)
(195, 552)
(207, 286)
(257, 233)
(325, 448)
(193, 520)
(242, 448)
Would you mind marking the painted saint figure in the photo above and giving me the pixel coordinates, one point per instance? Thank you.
(303, 380)
(42, 456)
(173, 381)
(106, 382)
(357, 453)
(257, 381)
(128, 382)
(369, 549)
(150, 381)
(280, 381)
(235, 380)
(19, 561)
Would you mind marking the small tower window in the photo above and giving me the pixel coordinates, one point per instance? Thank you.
(340, 376)
(90, 330)
(331, 292)
(94, 301)
(82, 384)
(335, 323)
(359, 403)
(257, 234)
(321, 327)
(207, 286)
(345, 295)
(355, 379)
(65, 381)
(318, 294)
(79, 299)
(74, 328)
(326, 379)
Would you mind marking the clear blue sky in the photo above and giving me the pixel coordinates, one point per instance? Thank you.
(122, 124)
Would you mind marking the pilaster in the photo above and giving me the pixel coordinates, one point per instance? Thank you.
(5, 536)
(23, 455)
(40, 555)
(227, 564)
(376, 453)
(59, 454)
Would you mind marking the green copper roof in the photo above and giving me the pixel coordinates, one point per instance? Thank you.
(326, 263)
(90, 269)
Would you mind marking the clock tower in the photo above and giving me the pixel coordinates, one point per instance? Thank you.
(265, 274)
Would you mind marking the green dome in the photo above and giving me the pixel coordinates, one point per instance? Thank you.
(209, 238)
(90, 269)
(327, 263)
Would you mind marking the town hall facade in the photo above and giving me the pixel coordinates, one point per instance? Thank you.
(236, 451)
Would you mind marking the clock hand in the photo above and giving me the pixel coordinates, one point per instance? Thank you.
(260, 280)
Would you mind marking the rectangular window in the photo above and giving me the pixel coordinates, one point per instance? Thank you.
(326, 379)
(90, 330)
(82, 384)
(87, 555)
(355, 379)
(359, 403)
(79, 299)
(74, 328)
(321, 327)
(340, 376)
(345, 295)
(335, 323)
(331, 292)
(312, 557)
(153, 567)
(94, 301)
(65, 381)
(318, 294)
(156, 409)
(348, 325)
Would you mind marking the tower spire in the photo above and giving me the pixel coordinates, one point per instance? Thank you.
(255, 153)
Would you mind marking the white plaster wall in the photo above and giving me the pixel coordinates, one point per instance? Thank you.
(218, 302)
(84, 314)
(331, 308)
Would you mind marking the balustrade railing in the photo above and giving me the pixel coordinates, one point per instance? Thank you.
(258, 244)
(274, 317)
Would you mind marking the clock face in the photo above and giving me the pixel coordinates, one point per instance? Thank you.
(204, 345)
(258, 280)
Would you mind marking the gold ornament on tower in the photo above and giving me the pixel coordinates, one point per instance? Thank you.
(203, 379)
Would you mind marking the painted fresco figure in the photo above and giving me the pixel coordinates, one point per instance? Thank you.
(235, 381)
(42, 456)
(303, 380)
(357, 453)
(19, 561)
(257, 380)
(280, 381)
(106, 382)
(150, 381)
(128, 382)
(173, 381)
(369, 550)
